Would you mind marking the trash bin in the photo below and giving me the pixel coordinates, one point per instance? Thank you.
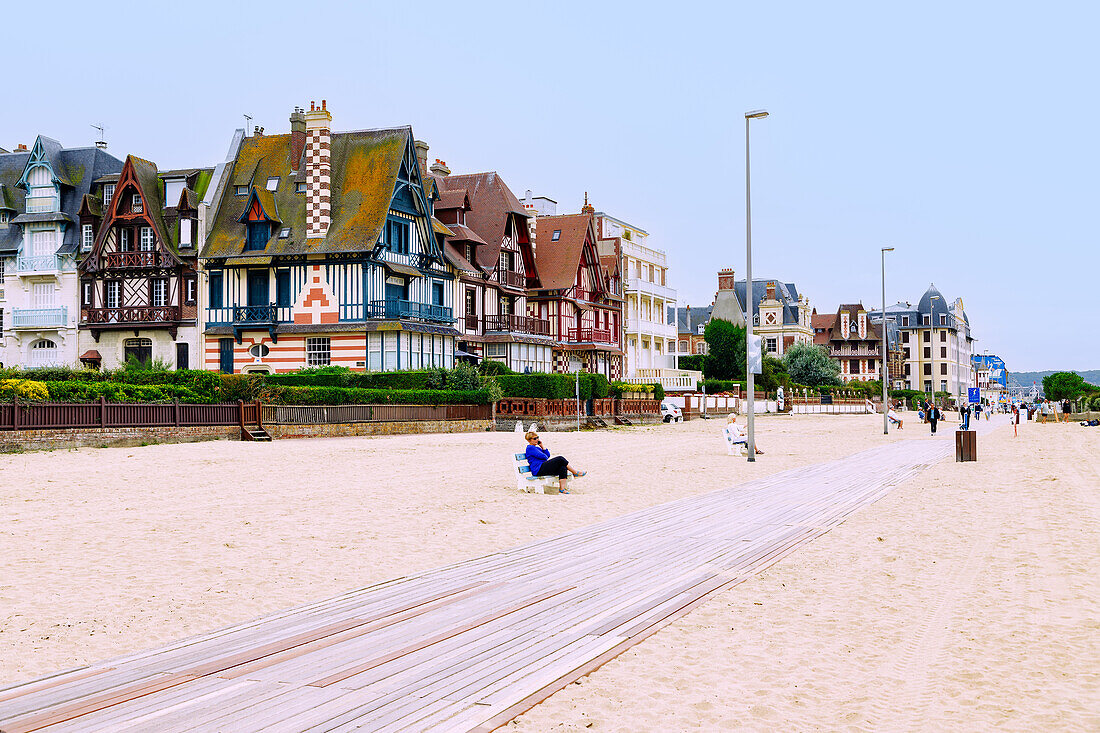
(966, 446)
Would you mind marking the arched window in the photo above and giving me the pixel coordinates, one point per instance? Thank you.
(138, 350)
(43, 353)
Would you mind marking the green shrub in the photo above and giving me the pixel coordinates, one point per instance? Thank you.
(244, 387)
(546, 386)
(463, 378)
(714, 386)
(693, 362)
(491, 367)
(359, 396)
(24, 389)
(75, 391)
(658, 392)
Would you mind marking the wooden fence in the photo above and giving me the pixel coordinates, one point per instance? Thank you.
(60, 415)
(602, 407)
(325, 414)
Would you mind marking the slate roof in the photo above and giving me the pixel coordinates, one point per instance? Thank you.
(365, 166)
(786, 293)
(698, 316)
(75, 168)
(491, 201)
(558, 261)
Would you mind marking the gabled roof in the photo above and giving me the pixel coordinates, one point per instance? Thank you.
(558, 260)
(365, 166)
(75, 168)
(458, 260)
(491, 202)
(453, 198)
(785, 293)
(853, 309)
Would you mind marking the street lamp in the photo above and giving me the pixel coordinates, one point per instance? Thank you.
(885, 368)
(750, 444)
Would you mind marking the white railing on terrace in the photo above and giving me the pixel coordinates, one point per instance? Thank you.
(670, 379)
(37, 263)
(641, 325)
(40, 317)
(641, 285)
(644, 253)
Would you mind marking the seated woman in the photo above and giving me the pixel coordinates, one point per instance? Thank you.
(538, 458)
(731, 424)
(894, 417)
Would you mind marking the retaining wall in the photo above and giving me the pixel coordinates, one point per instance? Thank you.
(343, 430)
(53, 439)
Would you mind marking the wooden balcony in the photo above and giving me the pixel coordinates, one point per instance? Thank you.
(131, 315)
(126, 260)
(512, 323)
(590, 336)
(513, 279)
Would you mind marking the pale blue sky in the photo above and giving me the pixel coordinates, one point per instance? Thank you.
(963, 134)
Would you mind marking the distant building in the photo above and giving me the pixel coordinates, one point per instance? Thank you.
(690, 324)
(854, 342)
(936, 342)
(649, 336)
(991, 377)
(781, 315)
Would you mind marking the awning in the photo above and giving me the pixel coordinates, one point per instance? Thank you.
(460, 352)
(265, 260)
(91, 355)
(403, 269)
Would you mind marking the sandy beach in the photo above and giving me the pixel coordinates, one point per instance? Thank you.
(960, 600)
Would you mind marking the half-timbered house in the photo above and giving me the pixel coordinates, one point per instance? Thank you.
(582, 302)
(138, 283)
(42, 191)
(491, 248)
(322, 252)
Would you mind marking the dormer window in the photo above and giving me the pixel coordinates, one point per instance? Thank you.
(41, 191)
(273, 183)
(241, 190)
(284, 233)
(556, 235)
(397, 236)
(258, 234)
(135, 204)
(4, 217)
(299, 188)
(108, 194)
(86, 237)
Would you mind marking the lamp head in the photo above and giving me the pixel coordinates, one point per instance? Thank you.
(756, 114)
(887, 249)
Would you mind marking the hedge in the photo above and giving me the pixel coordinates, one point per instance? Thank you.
(714, 386)
(359, 396)
(75, 391)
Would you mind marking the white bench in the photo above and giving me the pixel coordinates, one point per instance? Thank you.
(734, 438)
(533, 484)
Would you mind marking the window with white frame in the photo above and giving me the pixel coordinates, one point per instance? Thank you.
(125, 244)
(44, 295)
(135, 204)
(146, 239)
(771, 345)
(41, 191)
(318, 351)
(186, 231)
(43, 353)
(43, 243)
(86, 294)
(273, 183)
(240, 190)
(86, 236)
(496, 351)
(1, 270)
(160, 293)
(108, 194)
(114, 290)
(191, 288)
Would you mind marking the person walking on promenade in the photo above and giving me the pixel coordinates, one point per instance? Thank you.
(541, 464)
(933, 416)
(964, 416)
(978, 412)
(1015, 421)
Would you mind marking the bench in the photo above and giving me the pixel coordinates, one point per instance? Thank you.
(533, 484)
(734, 438)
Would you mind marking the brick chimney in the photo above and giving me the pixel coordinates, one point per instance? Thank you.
(297, 137)
(440, 168)
(20, 148)
(421, 156)
(725, 279)
(771, 290)
(318, 171)
(587, 208)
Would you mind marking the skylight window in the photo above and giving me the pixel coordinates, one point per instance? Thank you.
(284, 232)
(273, 183)
(299, 188)
(241, 190)
(556, 236)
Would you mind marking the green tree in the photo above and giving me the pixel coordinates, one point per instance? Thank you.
(773, 372)
(1064, 385)
(811, 365)
(725, 357)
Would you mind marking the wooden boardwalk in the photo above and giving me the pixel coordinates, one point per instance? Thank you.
(469, 646)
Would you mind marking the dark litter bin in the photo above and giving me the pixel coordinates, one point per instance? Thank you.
(966, 446)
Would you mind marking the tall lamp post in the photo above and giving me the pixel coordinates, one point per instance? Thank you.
(750, 444)
(885, 367)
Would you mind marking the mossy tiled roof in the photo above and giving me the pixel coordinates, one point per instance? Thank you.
(365, 165)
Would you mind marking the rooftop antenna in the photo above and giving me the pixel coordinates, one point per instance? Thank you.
(247, 119)
(101, 143)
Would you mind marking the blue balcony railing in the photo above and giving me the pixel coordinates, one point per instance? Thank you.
(37, 263)
(259, 314)
(40, 317)
(393, 308)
